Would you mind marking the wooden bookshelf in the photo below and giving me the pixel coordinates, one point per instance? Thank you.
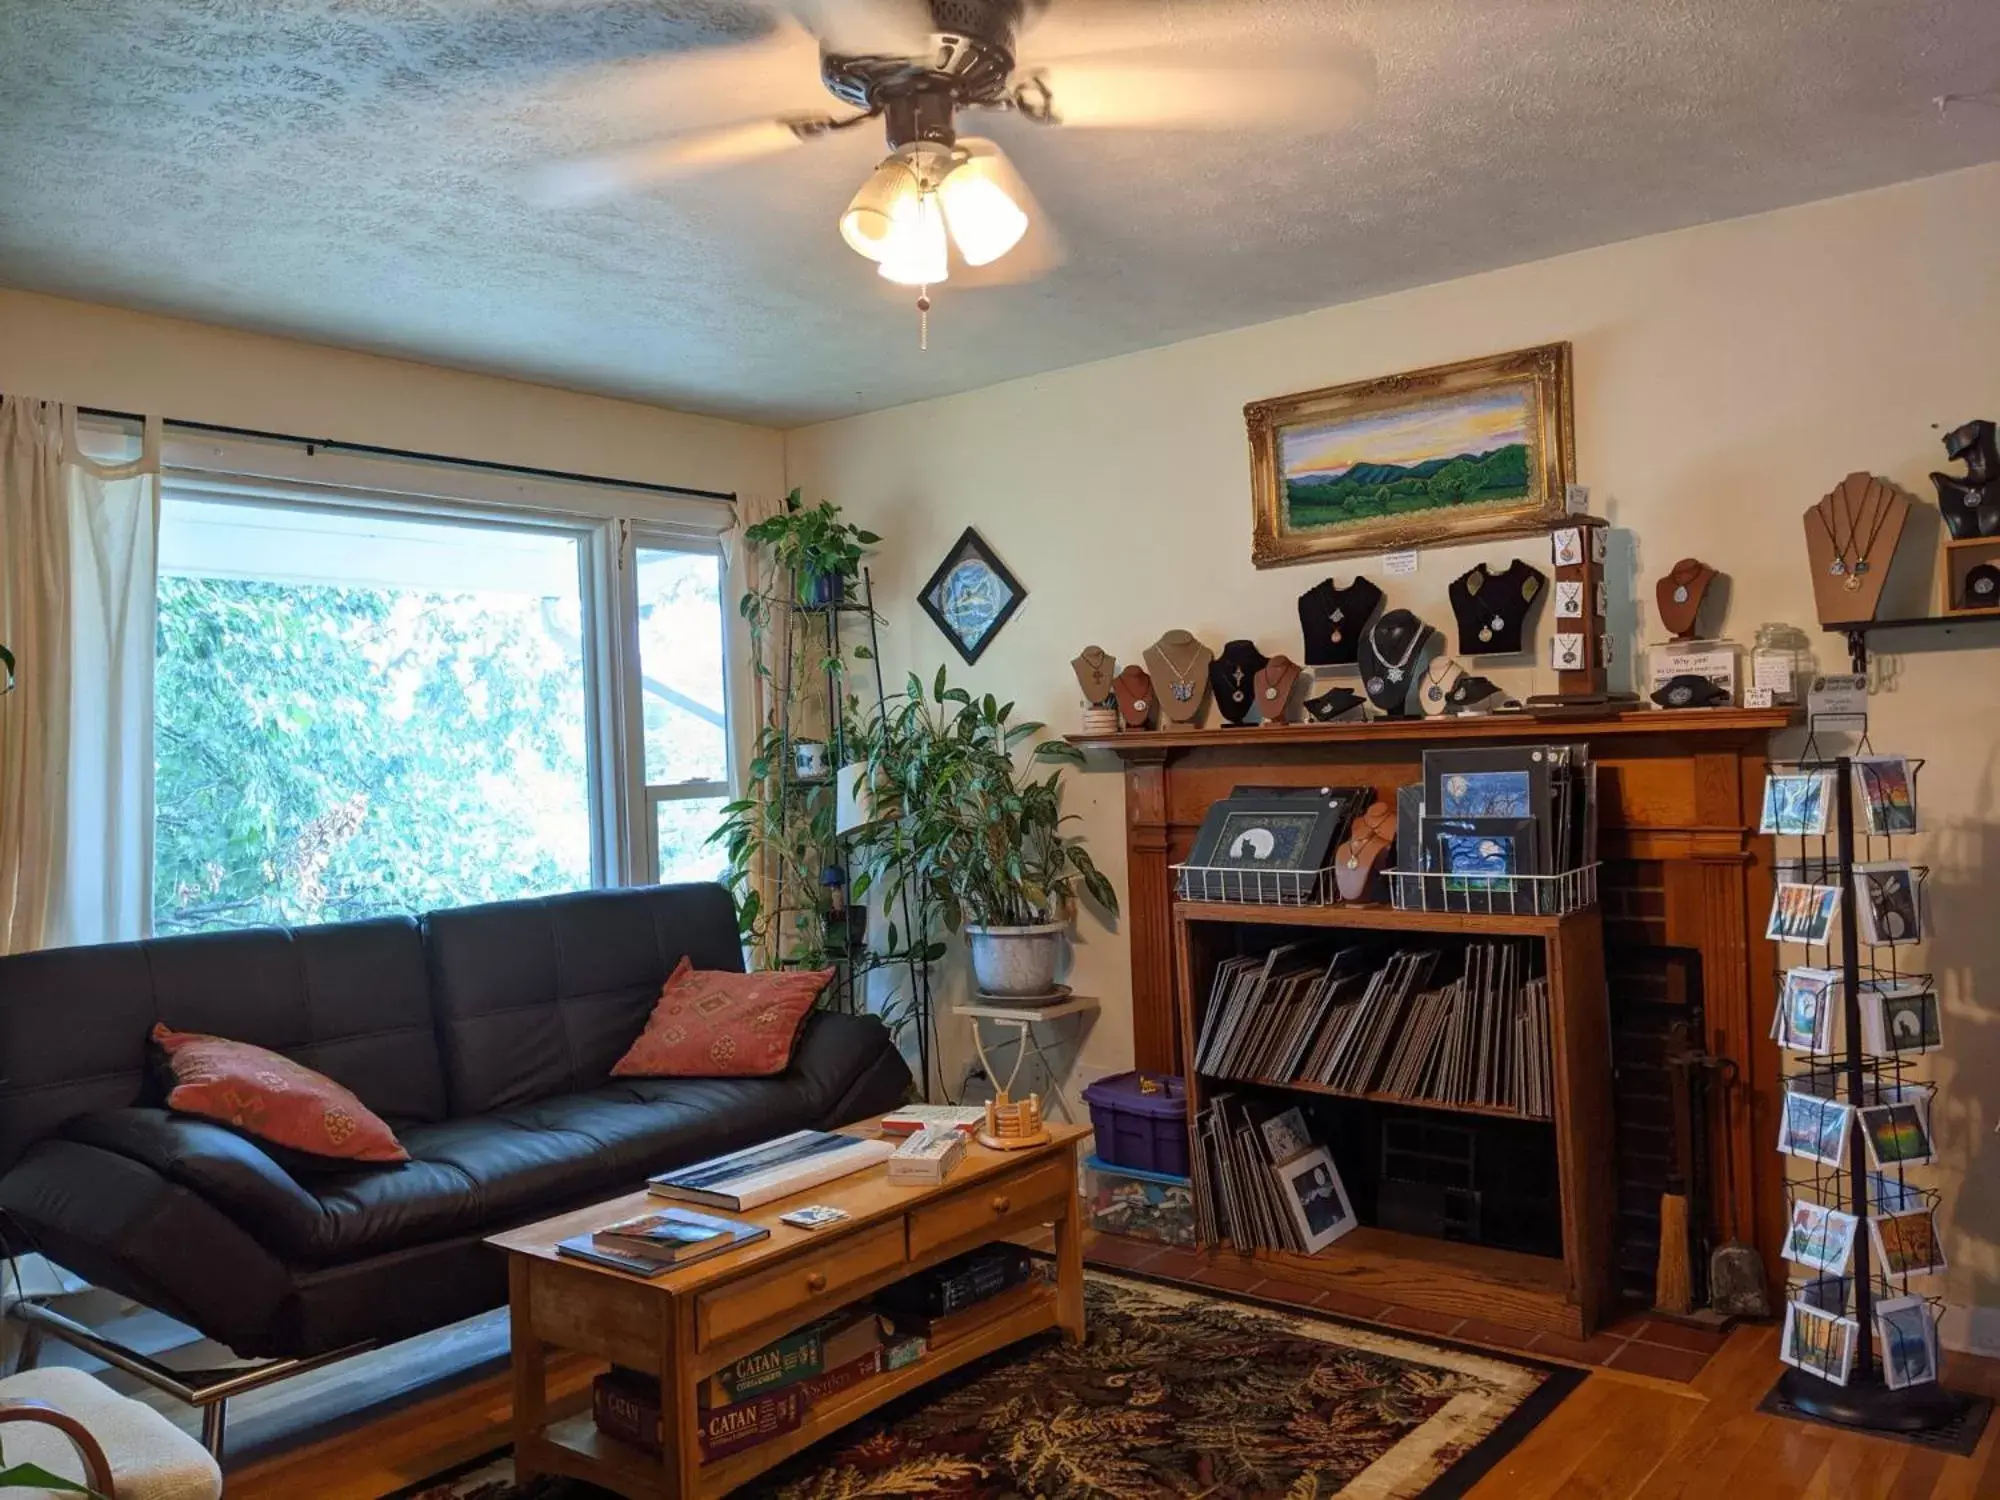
(1566, 1295)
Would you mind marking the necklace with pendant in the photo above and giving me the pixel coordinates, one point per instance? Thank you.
(1394, 669)
(1183, 685)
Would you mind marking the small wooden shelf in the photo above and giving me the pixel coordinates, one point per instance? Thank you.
(1377, 1096)
(1375, 916)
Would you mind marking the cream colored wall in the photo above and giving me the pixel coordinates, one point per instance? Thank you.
(109, 357)
(1726, 377)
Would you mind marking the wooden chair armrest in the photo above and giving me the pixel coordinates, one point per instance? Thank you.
(96, 1467)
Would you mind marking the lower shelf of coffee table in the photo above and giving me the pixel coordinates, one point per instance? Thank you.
(573, 1446)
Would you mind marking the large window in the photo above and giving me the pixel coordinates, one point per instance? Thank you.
(684, 707)
(360, 713)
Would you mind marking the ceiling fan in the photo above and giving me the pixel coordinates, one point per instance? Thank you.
(914, 65)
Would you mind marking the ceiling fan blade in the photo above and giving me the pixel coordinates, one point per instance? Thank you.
(862, 28)
(592, 179)
(1165, 91)
(1040, 249)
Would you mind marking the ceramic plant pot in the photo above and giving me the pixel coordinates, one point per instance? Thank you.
(1016, 962)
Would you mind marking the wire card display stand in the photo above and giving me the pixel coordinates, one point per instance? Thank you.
(1495, 895)
(1859, 1079)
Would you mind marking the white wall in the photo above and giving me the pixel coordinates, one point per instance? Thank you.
(92, 355)
(1726, 378)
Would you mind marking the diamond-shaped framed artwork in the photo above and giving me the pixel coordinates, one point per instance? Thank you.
(971, 595)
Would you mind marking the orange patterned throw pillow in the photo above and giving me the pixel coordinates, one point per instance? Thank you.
(711, 1023)
(272, 1098)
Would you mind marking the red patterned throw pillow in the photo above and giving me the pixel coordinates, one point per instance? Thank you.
(711, 1023)
(272, 1098)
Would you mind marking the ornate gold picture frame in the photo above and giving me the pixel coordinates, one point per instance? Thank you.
(1481, 448)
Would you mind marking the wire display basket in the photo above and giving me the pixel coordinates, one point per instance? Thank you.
(1494, 895)
(1254, 887)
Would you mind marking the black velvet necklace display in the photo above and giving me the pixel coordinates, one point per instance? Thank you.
(1492, 607)
(1233, 675)
(1332, 619)
(1334, 703)
(1390, 649)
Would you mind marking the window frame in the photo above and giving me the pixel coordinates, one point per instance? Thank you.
(643, 797)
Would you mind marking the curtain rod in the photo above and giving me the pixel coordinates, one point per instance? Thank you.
(334, 445)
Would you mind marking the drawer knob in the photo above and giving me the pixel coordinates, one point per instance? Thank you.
(816, 1281)
(1002, 1204)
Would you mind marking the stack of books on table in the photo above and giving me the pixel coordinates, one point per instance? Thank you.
(763, 1394)
(941, 1304)
(656, 1243)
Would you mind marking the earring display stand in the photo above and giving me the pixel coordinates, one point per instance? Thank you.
(1860, 1078)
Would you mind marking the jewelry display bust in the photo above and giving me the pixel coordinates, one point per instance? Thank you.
(1094, 670)
(1971, 505)
(1358, 863)
(1233, 675)
(1178, 665)
(1273, 687)
(1332, 619)
(1389, 651)
(1680, 594)
(1435, 684)
(1468, 695)
(1134, 691)
(1334, 703)
(1851, 538)
(1492, 608)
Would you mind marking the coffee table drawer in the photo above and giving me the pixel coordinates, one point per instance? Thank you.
(816, 1274)
(1032, 1195)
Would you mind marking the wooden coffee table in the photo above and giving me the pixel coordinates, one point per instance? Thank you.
(689, 1323)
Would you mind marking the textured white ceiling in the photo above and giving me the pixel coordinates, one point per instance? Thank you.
(355, 171)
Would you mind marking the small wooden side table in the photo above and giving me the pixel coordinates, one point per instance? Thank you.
(984, 1011)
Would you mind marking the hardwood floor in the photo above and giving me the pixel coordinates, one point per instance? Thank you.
(1619, 1436)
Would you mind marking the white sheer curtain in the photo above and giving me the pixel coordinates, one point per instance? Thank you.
(78, 584)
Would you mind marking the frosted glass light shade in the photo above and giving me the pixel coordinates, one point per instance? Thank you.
(869, 223)
(985, 220)
(917, 254)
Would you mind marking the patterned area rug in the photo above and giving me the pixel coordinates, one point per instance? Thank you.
(1173, 1393)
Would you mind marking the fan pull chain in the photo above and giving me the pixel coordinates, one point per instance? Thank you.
(923, 319)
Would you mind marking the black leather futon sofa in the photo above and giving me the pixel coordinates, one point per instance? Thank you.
(485, 1036)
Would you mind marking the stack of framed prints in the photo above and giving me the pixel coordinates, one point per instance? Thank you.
(1855, 1017)
(1270, 845)
(1499, 829)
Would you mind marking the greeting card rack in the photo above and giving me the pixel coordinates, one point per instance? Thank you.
(1858, 1078)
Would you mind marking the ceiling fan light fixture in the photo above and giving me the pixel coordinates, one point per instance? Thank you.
(869, 224)
(984, 218)
(917, 254)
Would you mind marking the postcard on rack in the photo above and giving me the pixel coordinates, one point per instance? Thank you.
(1887, 794)
(1796, 803)
(1814, 1128)
(1898, 1134)
(1818, 1343)
(1907, 1335)
(1900, 1018)
(1819, 1238)
(1803, 914)
(1889, 903)
(1907, 1244)
(1806, 1008)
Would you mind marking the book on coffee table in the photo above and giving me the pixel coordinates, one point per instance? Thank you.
(675, 1235)
(776, 1169)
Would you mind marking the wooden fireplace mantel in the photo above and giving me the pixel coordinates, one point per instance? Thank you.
(1679, 793)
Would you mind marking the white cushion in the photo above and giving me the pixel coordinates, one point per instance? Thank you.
(151, 1459)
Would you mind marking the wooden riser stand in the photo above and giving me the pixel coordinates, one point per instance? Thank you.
(1566, 1296)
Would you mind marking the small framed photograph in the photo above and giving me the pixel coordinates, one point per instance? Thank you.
(1806, 1010)
(1907, 1335)
(1814, 1128)
(1898, 1134)
(1900, 1018)
(1818, 1343)
(1569, 600)
(1819, 1238)
(1316, 1197)
(1803, 913)
(1890, 908)
(1906, 1244)
(1797, 804)
(1286, 1136)
(1566, 546)
(1887, 793)
(1483, 854)
(1566, 652)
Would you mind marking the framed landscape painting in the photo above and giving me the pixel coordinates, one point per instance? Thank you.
(1478, 449)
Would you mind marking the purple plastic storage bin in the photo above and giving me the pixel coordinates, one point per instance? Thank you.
(1146, 1132)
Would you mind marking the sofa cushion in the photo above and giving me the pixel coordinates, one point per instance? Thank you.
(349, 1001)
(540, 998)
(267, 1095)
(711, 1023)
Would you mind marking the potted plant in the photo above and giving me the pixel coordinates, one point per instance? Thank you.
(822, 551)
(967, 838)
